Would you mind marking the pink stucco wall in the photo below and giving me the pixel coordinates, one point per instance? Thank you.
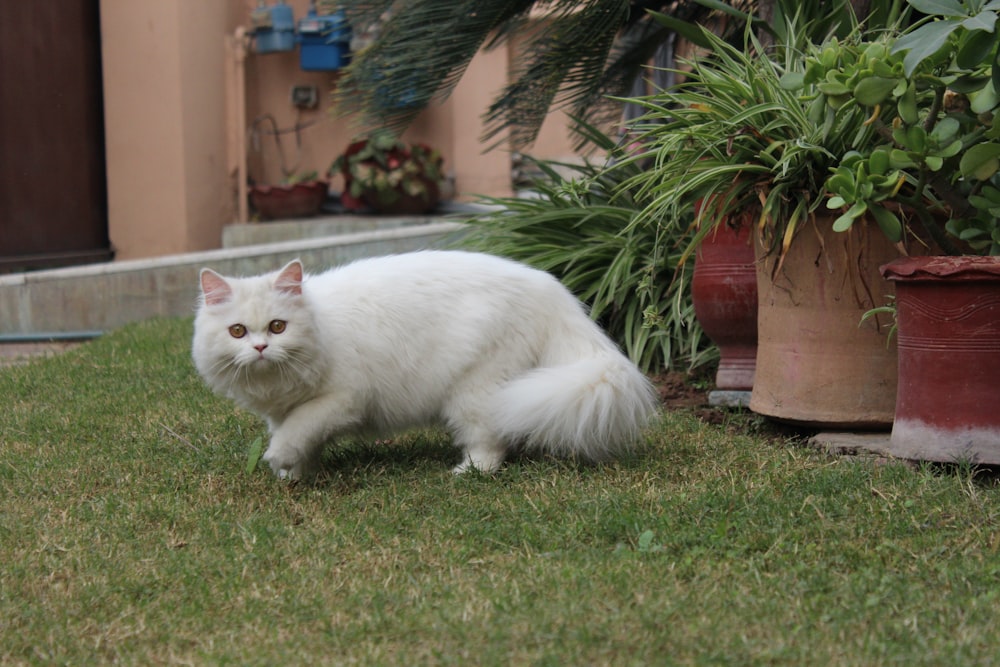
(173, 118)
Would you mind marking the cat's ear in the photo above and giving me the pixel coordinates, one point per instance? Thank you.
(214, 288)
(289, 279)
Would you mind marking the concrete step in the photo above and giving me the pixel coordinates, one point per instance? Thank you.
(240, 235)
(337, 221)
(99, 297)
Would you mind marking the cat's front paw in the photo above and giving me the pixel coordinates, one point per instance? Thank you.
(288, 465)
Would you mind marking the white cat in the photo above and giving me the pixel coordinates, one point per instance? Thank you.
(501, 354)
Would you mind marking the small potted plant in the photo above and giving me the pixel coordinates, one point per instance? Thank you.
(384, 174)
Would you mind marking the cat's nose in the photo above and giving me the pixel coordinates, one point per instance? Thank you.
(261, 347)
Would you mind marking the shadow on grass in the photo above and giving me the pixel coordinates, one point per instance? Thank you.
(983, 476)
(397, 453)
(351, 462)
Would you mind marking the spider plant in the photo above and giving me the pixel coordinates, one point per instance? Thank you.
(734, 136)
(578, 226)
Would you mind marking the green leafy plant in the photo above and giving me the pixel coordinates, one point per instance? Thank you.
(930, 93)
(895, 127)
(298, 177)
(254, 454)
(645, 542)
(382, 172)
(793, 24)
(734, 134)
(579, 226)
(888, 309)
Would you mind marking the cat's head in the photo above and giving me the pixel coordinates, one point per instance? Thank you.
(250, 329)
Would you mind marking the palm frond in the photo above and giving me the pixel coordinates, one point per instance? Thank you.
(570, 59)
(360, 12)
(637, 45)
(422, 50)
(561, 65)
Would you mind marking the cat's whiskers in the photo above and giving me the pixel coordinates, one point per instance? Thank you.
(290, 374)
(302, 363)
(223, 369)
(234, 371)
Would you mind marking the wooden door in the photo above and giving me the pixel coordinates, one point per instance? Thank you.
(53, 195)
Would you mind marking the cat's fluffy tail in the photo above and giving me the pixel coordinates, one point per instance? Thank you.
(592, 408)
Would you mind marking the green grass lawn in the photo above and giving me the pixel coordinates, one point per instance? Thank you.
(132, 532)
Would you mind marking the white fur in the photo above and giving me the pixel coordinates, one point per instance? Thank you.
(500, 353)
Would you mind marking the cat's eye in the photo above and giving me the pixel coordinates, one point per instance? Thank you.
(277, 326)
(237, 331)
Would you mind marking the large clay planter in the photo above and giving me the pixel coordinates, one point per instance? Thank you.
(818, 363)
(724, 293)
(948, 311)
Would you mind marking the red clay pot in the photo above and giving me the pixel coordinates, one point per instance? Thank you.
(818, 363)
(948, 311)
(278, 202)
(724, 293)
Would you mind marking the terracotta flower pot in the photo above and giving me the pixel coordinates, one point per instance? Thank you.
(818, 363)
(724, 293)
(277, 202)
(948, 311)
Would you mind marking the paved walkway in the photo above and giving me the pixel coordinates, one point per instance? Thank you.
(18, 353)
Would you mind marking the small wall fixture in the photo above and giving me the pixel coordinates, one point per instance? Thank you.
(272, 28)
(324, 41)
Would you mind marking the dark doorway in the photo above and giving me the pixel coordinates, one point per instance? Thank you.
(53, 194)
